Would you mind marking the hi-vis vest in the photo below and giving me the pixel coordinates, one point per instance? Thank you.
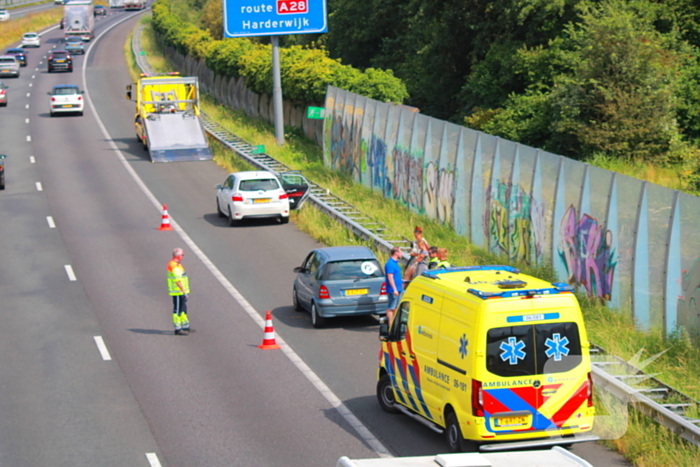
(176, 272)
(443, 264)
(433, 263)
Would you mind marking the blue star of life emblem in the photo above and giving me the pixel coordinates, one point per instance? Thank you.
(556, 347)
(463, 343)
(512, 351)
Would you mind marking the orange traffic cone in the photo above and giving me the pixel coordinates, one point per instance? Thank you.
(165, 219)
(269, 341)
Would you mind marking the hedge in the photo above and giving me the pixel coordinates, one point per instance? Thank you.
(306, 73)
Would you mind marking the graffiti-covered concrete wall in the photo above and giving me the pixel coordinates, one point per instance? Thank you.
(632, 244)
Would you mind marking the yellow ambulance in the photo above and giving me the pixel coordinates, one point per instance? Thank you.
(492, 358)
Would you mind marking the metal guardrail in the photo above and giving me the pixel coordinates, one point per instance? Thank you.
(654, 398)
(657, 400)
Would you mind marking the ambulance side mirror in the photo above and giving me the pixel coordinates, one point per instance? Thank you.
(383, 329)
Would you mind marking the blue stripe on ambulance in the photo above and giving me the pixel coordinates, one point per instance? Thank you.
(392, 373)
(419, 392)
(397, 361)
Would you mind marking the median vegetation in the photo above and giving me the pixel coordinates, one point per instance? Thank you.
(12, 30)
(645, 443)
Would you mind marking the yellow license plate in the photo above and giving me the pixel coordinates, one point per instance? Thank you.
(60, 61)
(356, 292)
(510, 422)
(261, 200)
(67, 105)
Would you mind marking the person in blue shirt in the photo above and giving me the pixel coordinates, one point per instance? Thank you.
(394, 282)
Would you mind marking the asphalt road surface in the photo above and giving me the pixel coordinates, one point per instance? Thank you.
(92, 373)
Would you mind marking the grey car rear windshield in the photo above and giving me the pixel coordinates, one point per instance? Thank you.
(263, 184)
(352, 269)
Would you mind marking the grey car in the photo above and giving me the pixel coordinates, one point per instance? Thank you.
(340, 281)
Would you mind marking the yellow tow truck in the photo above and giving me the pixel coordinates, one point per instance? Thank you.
(167, 117)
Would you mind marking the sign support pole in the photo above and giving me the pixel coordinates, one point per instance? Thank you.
(277, 92)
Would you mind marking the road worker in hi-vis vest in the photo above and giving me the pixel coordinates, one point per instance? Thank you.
(179, 288)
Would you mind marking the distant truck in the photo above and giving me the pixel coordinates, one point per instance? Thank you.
(555, 457)
(167, 118)
(79, 19)
(116, 3)
(134, 4)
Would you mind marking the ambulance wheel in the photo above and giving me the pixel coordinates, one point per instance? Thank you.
(385, 394)
(455, 440)
(316, 320)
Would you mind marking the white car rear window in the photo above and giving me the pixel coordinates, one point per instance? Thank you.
(265, 184)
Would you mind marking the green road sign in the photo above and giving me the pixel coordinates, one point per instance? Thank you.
(315, 112)
(258, 149)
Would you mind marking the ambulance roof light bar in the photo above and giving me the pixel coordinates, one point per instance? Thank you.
(558, 287)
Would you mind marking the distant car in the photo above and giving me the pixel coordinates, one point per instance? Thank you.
(254, 194)
(31, 39)
(60, 60)
(2, 171)
(66, 98)
(4, 14)
(62, 24)
(340, 281)
(3, 94)
(19, 54)
(99, 10)
(58, 2)
(74, 45)
(9, 65)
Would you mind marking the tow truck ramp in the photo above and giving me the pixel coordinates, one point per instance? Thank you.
(175, 137)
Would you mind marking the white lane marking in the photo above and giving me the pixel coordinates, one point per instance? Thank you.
(325, 391)
(37, 68)
(30, 84)
(39, 187)
(71, 274)
(153, 459)
(32, 160)
(49, 219)
(29, 138)
(102, 348)
(33, 76)
(26, 120)
(29, 94)
(26, 106)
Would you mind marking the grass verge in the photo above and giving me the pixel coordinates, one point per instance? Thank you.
(644, 443)
(12, 30)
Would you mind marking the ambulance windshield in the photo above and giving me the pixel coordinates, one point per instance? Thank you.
(533, 349)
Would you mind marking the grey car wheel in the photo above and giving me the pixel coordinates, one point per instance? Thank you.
(316, 320)
(295, 301)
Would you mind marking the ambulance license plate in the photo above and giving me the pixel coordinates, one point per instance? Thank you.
(356, 292)
(510, 422)
(261, 200)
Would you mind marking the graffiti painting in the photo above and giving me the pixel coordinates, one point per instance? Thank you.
(585, 248)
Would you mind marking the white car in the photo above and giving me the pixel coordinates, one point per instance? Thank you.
(9, 65)
(4, 14)
(31, 39)
(66, 98)
(248, 195)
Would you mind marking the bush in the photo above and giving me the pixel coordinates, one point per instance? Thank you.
(306, 73)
